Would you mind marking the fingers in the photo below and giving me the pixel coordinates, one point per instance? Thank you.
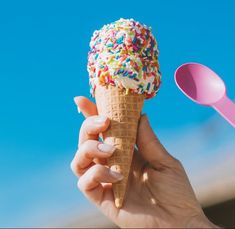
(96, 175)
(86, 154)
(91, 128)
(90, 182)
(85, 106)
(150, 147)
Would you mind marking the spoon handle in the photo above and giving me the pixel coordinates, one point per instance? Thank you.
(226, 108)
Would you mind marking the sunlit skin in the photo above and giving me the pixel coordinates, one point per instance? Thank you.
(159, 193)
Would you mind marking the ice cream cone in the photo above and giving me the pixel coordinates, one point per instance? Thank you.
(123, 71)
(124, 112)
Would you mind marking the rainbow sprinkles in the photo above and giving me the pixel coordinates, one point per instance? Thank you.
(125, 54)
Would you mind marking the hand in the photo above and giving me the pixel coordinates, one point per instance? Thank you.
(159, 193)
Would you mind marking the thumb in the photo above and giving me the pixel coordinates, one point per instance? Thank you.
(150, 147)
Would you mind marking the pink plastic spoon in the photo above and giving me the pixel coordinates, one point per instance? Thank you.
(205, 87)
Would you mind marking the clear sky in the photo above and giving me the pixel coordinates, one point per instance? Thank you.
(43, 57)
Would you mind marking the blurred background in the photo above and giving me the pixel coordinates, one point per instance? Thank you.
(43, 57)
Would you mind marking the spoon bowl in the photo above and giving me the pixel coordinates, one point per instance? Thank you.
(200, 83)
(204, 86)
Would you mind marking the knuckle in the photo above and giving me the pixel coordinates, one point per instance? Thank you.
(97, 172)
(80, 184)
(72, 165)
(89, 120)
(87, 126)
(84, 124)
(87, 145)
(82, 148)
(75, 168)
(177, 163)
(96, 169)
(88, 148)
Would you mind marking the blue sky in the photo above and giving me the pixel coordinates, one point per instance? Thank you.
(43, 56)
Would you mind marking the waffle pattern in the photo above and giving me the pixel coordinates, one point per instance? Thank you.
(124, 112)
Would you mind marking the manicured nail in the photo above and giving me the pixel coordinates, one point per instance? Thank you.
(75, 100)
(106, 148)
(100, 119)
(116, 175)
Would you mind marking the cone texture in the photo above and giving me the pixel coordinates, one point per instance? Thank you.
(124, 112)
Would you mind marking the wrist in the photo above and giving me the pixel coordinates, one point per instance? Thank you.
(208, 224)
(202, 222)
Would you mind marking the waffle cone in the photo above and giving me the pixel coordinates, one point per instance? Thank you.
(124, 112)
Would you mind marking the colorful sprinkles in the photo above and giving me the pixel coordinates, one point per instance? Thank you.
(125, 54)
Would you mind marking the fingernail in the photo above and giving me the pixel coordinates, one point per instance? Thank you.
(116, 175)
(106, 148)
(75, 100)
(100, 119)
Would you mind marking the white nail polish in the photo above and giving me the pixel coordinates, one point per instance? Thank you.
(79, 111)
(116, 175)
(75, 100)
(106, 148)
(100, 119)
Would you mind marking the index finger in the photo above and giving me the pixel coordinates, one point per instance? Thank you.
(150, 147)
(92, 127)
(87, 107)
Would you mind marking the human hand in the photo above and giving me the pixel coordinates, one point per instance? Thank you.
(159, 193)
